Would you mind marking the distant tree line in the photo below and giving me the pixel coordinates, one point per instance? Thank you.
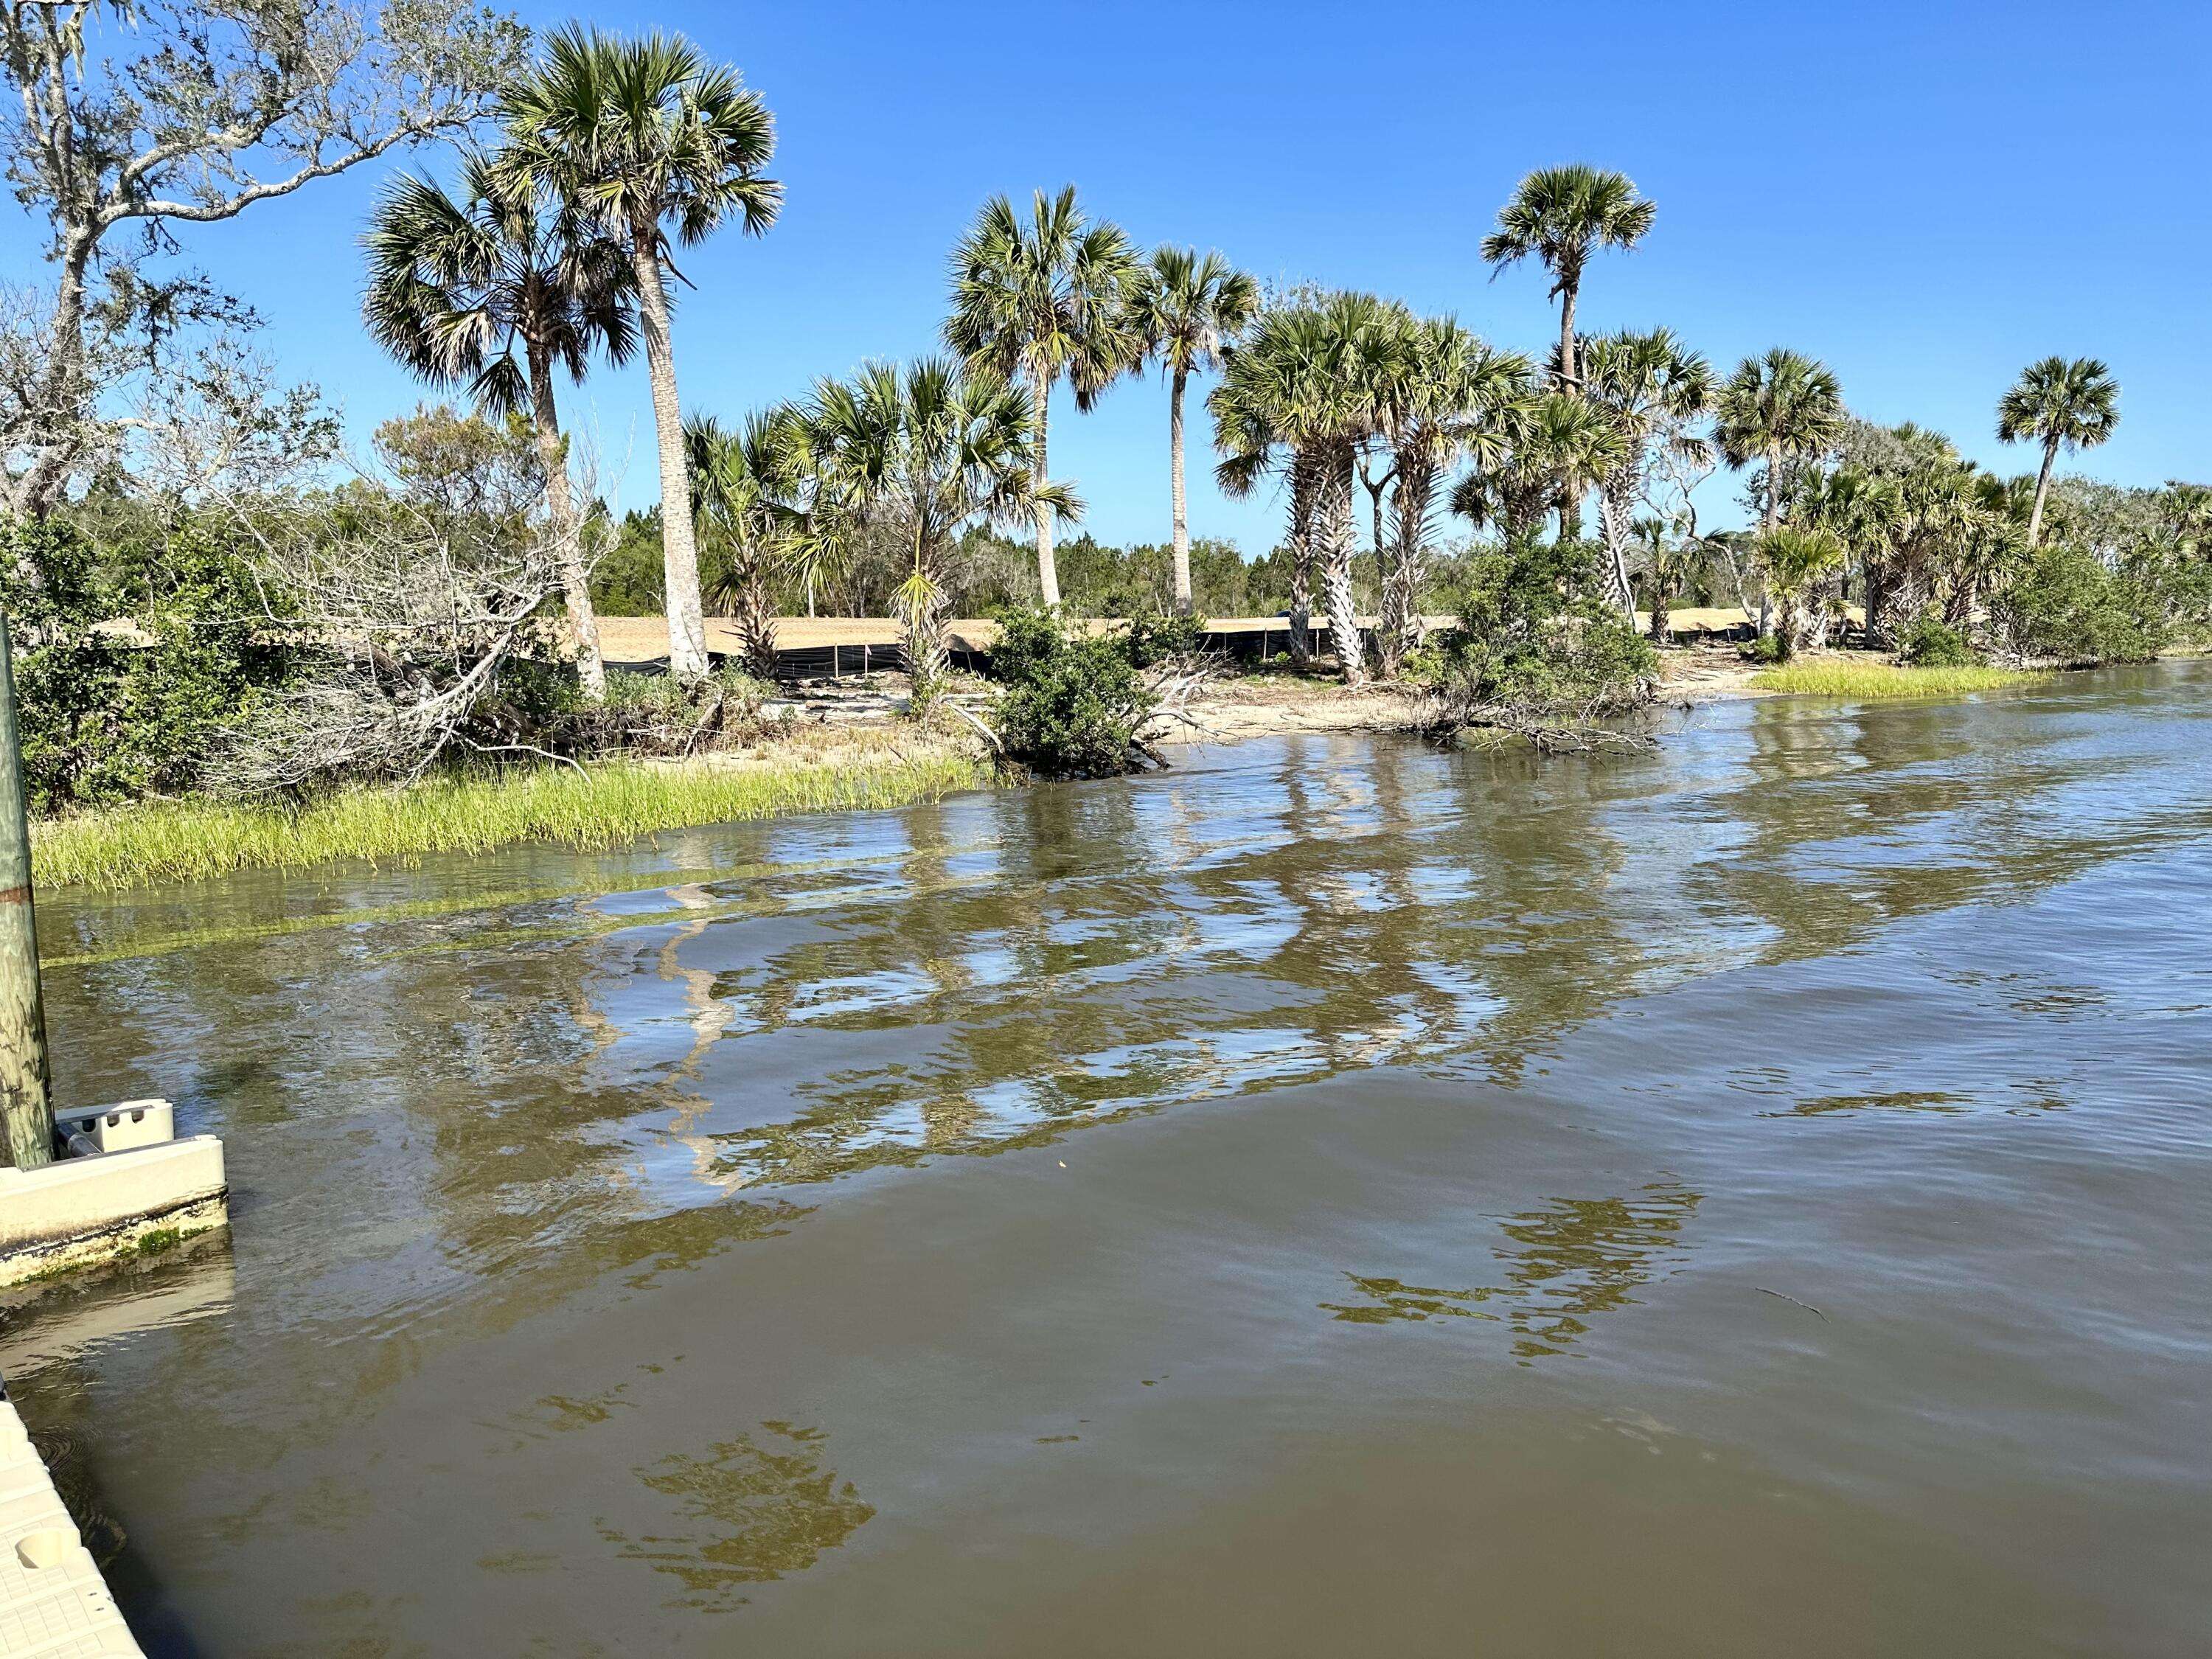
(205, 600)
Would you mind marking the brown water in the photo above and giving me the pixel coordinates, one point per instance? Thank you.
(1334, 1198)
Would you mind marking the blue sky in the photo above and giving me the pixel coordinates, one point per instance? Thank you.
(1925, 195)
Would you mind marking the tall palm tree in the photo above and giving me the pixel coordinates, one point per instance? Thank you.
(1036, 299)
(1652, 385)
(457, 287)
(659, 146)
(1456, 400)
(1184, 308)
(2060, 405)
(744, 483)
(1781, 407)
(927, 450)
(1563, 214)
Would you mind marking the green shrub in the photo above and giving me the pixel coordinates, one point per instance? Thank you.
(1156, 637)
(1767, 648)
(1073, 705)
(628, 579)
(135, 657)
(643, 714)
(1538, 651)
(1931, 642)
(2069, 607)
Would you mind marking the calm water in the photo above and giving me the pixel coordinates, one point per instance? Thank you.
(1334, 1198)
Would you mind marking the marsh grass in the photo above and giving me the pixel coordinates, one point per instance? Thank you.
(606, 804)
(1828, 677)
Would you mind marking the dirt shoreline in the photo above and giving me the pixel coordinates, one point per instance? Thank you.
(1235, 710)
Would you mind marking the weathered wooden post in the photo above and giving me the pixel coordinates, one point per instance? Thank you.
(26, 1112)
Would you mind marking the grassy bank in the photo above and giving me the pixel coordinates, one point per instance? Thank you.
(1830, 677)
(185, 840)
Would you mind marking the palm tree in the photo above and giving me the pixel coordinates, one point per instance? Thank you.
(1315, 379)
(1794, 560)
(2188, 513)
(456, 286)
(744, 483)
(2061, 406)
(1555, 445)
(1456, 400)
(1783, 406)
(1780, 407)
(1563, 214)
(1034, 300)
(1184, 309)
(1256, 410)
(1866, 513)
(1664, 567)
(1652, 385)
(926, 451)
(658, 146)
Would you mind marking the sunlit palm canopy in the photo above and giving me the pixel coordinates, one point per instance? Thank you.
(1044, 294)
(2055, 402)
(459, 284)
(1562, 215)
(646, 134)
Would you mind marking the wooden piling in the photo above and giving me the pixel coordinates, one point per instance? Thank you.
(27, 1113)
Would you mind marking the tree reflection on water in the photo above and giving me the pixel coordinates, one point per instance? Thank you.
(1566, 1264)
(754, 1508)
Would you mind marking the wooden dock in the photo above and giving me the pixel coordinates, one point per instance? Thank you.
(815, 646)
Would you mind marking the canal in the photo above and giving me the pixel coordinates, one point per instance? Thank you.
(1335, 1196)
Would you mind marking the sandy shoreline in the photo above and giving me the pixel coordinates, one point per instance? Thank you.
(1234, 710)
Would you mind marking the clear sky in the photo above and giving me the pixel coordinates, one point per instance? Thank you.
(1925, 195)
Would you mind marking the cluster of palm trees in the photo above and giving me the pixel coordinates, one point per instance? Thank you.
(557, 246)
(1053, 294)
(1922, 527)
(925, 450)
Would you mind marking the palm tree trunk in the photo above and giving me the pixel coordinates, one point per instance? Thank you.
(1613, 519)
(1185, 604)
(1302, 542)
(1332, 521)
(567, 533)
(1048, 572)
(2042, 490)
(921, 624)
(1400, 635)
(1768, 519)
(1570, 383)
(679, 551)
(1571, 500)
(756, 622)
